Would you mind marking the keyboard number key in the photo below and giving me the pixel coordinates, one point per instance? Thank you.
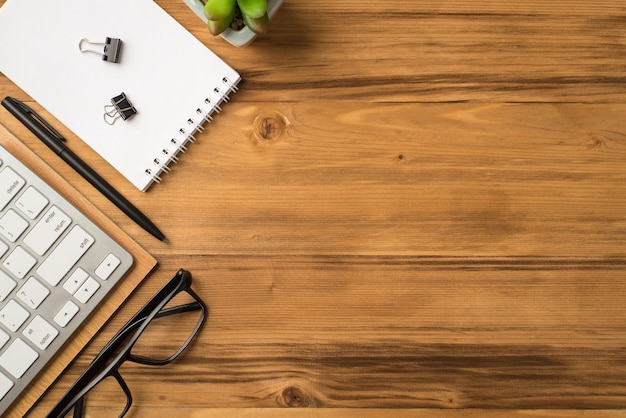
(18, 358)
(67, 312)
(40, 332)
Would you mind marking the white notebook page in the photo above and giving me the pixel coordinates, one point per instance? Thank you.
(166, 73)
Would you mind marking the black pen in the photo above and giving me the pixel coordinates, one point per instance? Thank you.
(49, 136)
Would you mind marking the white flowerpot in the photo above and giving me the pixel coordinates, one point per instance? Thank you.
(240, 37)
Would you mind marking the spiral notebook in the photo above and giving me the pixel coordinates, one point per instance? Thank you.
(128, 59)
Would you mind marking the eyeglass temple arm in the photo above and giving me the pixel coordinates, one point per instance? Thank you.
(181, 280)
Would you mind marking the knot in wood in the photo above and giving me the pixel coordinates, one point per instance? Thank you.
(295, 397)
(268, 127)
(597, 143)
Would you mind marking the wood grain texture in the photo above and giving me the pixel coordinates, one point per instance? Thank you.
(417, 206)
(436, 51)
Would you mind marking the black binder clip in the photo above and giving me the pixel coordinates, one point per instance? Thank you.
(120, 107)
(111, 49)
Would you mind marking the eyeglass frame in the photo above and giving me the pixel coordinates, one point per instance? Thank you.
(102, 367)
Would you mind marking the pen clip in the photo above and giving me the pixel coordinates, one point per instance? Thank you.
(39, 119)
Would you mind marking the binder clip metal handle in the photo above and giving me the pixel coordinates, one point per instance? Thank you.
(120, 107)
(110, 51)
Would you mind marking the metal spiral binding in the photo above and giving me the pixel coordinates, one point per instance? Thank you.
(203, 115)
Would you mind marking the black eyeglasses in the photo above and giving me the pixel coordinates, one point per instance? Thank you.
(134, 342)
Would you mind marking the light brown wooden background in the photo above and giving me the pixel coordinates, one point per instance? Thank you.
(409, 204)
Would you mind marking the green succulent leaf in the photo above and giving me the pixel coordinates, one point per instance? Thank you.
(254, 9)
(218, 9)
(257, 25)
(218, 26)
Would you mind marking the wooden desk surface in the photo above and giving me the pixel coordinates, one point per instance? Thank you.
(416, 204)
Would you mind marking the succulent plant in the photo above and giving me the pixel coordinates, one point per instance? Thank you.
(222, 13)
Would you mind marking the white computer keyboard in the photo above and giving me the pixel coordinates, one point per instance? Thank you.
(55, 267)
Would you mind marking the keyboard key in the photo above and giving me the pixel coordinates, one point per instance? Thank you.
(13, 315)
(7, 284)
(5, 385)
(52, 224)
(67, 312)
(33, 293)
(107, 266)
(4, 338)
(12, 225)
(87, 290)
(10, 184)
(75, 281)
(65, 255)
(40, 332)
(19, 262)
(31, 203)
(37, 319)
(18, 358)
